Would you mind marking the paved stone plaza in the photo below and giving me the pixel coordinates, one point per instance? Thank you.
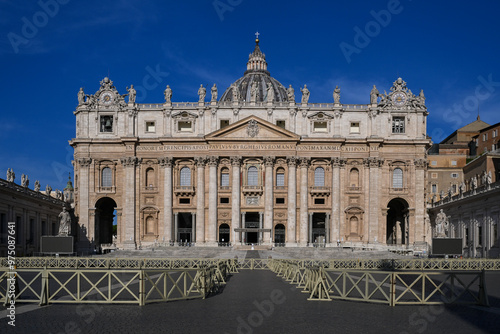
(259, 302)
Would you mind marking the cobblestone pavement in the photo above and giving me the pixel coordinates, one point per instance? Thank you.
(259, 302)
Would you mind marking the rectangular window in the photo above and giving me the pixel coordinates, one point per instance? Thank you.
(354, 127)
(434, 175)
(453, 162)
(184, 200)
(494, 133)
(479, 235)
(224, 123)
(106, 124)
(434, 163)
(434, 188)
(281, 124)
(319, 201)
(224, 200)
(454, 188)
(224, 180)
(485, 136)
(185, 126)
(280, 200)
(150, 127)
(398, 124)
(32, 230)
(454, 175)
(320, 127)
(280, 180)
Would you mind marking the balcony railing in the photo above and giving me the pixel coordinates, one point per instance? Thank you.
(398, 190)
(318, 191)
(258, 190)
(184, 190)
(150, 189)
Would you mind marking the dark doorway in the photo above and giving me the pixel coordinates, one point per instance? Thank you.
(279, 235)
(318, 228)
(397, 221)
(184, 227)
(224, 234)
(105, 210)
(252, 221)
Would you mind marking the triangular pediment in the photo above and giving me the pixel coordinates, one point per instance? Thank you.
(252, 128)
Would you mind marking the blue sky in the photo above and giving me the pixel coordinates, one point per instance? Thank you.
(51, 48)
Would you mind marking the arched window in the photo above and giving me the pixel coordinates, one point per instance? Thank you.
(185, 176)
(280, 177)
(397, 178)
(150, 177)
(106, 179)
(319, 177)
(354, 178)
(224, 177)
(253, 176)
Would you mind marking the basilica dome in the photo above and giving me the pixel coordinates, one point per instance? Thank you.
(256, 81)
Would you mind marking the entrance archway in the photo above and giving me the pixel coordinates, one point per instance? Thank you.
(105, 212)
(397, 222)
(224, 234)
(252, 222)
(318, 232)
(185, 227)
(279, 235)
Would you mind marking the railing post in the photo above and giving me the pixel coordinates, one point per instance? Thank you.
(44, 296)
(392, 301)
(142, 296)
(483, 295)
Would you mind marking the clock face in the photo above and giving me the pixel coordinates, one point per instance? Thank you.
(106, 98)
(399, 99)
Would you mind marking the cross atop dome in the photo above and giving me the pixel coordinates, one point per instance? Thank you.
(257, 37)
(257, 59)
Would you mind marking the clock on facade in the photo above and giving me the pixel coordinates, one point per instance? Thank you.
(399, 99)
(106, 98)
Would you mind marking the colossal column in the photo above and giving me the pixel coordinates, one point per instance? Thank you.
(212, 201)
(417, 232)
(336, 199)
(304, 196)
(292, 200)
(373, 211)
(129, 164)
(268, 206)
(200, 200)
(83, 210)
(235, 197)
(166, 164)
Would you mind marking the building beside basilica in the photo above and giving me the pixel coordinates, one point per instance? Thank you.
(253, 166)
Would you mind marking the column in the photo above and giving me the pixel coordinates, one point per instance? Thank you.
(336, 189)
(235, 196)
(129, 164)
(268, 196)
(327, 228)
(166, 164)
(200, 199)
(261, 234)
(310, 228)
(304, 196)
(193, 227)
(212, 201)
(176, 227)
(243, 220)
(417, 232)
(83, 207)
(373, 211)
(292, 201)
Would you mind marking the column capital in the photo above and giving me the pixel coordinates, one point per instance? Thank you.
(166, 162)
(373, 162)
(291, 161)
(200, 161)
(84, 162)
(130, 161)
(213, 161)
(269, 161)
(420, 163)
(304, 162)
(338, 162)
(235, 161)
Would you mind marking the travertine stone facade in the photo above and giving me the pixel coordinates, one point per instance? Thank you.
(252, 167)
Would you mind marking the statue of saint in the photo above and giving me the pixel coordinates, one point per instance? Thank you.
(131, 94)
(48, 190)
(441, 224)
(254, 92)
(473, 183)
(270, 93)
(489, 178)
(202, 92)
(336, 95)
(23, 180)
(236, 93)
(168, 94)
(290, 93)
(64, 223)
(374, 95)
(214, 92)
(81, 96)
(305, 94)
(9, 175)
(37, 186)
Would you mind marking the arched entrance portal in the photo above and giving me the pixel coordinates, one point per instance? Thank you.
(224, 233)
(105, 210)
(279, 235)
(397, 222)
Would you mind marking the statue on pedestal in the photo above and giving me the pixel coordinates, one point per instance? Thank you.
(305, 94)
(291, 94)
(48, 190)
(81, 96)
(374, 95)
(214, 93)
(64, 223)
(37, 186)
(336, 95)
(441, 225)
(202, 92)
(270, 93)
(236, 93)
(168, 94)
(254, 92)
(131, 94)
(25, 181)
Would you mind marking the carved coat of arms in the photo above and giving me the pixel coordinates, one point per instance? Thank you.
(253, 128)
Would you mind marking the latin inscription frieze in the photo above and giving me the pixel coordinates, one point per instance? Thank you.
(256, 147)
